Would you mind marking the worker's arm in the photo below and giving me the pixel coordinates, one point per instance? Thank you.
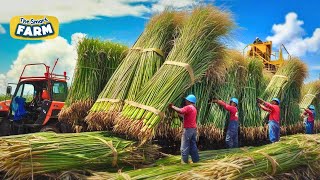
(304, 114)
(308, 112)
(178, 110)
(224, 105)
(269, 105)
(264, 108)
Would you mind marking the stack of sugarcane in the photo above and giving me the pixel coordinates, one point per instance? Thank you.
(311, 95)
(142, 61)
(249, 113)
(290, 113)
(195, 49)
(171, 127)
(24, 156)
(316, 103)
(97, 60)
(292, 152)
(213, 128)
(291, 71)
(267, 76)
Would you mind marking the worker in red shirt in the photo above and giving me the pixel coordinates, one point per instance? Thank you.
(274, 117)
(310, 114)
(232, 132)
(189, 135)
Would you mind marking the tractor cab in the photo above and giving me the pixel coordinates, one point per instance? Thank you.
(36, 101)
(272, 60)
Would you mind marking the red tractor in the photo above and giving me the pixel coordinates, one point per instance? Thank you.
(35, 103)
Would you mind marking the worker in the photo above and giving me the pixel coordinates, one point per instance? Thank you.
(257, 41)
(274, 117)
(232, 132)
(189, 134)
(310, 113)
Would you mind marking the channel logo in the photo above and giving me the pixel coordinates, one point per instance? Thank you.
(34, 27)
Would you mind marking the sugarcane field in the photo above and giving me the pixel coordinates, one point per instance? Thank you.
(161, 89)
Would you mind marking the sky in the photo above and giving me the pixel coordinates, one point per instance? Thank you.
(293, 23)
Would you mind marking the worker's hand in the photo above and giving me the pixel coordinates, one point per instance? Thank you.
(170, 105)
(259, 100)
(214, 100)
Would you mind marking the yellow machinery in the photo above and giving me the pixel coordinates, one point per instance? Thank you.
(263, 50)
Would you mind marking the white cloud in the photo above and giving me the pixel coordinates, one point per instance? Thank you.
(176, 4)
(315, 67)
(236, 45)
(2, 30)
(3, 84)
(47, 52)
(292, 35)
(71, 10)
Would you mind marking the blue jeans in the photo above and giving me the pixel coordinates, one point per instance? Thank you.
(189, 145)
(232, 134)
(274, 131)
(309, 127)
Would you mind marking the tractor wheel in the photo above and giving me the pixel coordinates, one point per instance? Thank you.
(50, 128)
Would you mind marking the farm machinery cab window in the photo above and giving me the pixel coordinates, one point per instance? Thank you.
(26, 91)
(59, 91)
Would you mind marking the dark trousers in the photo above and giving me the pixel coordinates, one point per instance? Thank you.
(189, 145)
(232, 134)
(274, 131)
(309, 127)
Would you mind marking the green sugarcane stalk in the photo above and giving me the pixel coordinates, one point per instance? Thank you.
(137, 68)
(97, 60)
(35, 154)
(197, 46)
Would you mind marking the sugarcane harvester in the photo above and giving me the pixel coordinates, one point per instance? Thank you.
(272, 60)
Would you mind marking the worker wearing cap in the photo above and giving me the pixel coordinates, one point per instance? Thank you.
(310, 113)
(232, 132)
(274, 117)
(257, 41)
(189, 135)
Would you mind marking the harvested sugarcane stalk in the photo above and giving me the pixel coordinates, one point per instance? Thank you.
(142, 61)
(274, 159)
(24, 156)
(252, 128)
(97, 60)
(195, 49)
(290, 114)
(213, 128)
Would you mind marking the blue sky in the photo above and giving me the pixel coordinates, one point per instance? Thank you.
(123, 21)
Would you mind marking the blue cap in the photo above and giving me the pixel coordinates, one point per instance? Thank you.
(276, 99)
(311, 107)
(235, 100)
(191, 98)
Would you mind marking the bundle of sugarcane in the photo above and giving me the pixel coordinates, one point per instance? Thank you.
(26, 155)
(197, 46)
(142, 61)
(213, 128)
(97, 60)
(171, 126)
(303, 172)
(252, 128)
(291, 152)
(290, 113)
(316, 103)
(291, 71)
(309, 93)
(267, 76)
